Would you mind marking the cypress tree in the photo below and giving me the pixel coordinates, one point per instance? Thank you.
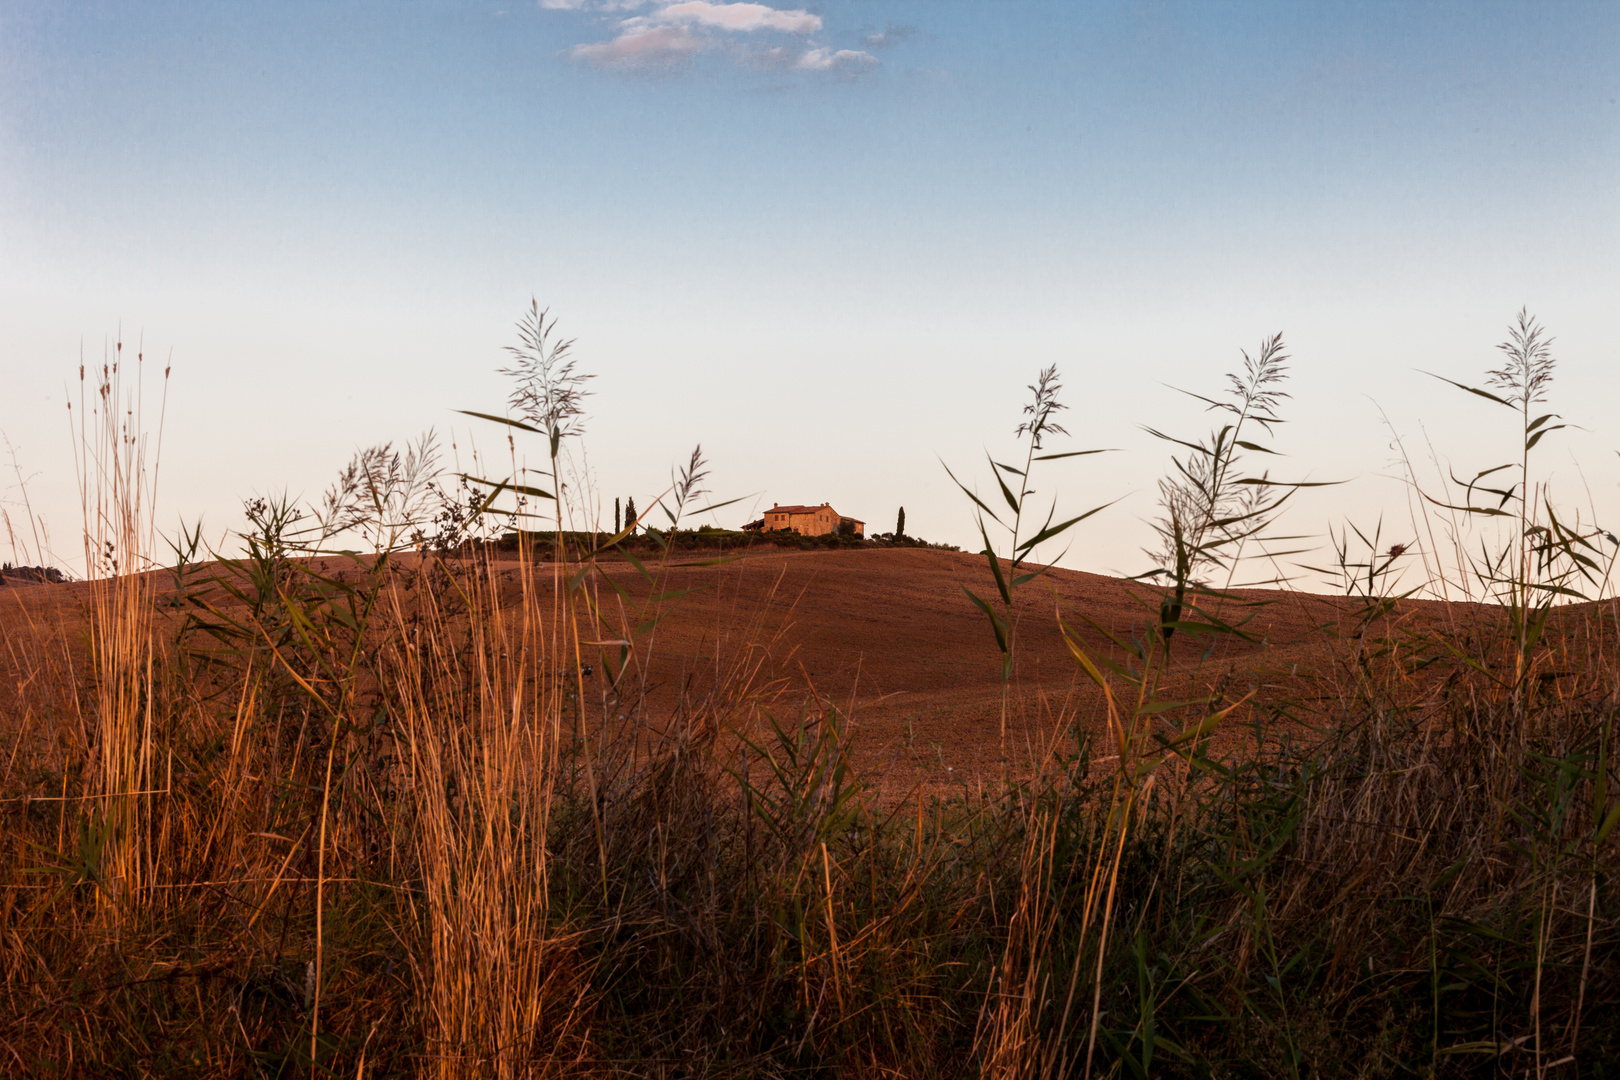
(616, 525)
(900, 525)
(629, 511)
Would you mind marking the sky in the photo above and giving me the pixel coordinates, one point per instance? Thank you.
(833, 243)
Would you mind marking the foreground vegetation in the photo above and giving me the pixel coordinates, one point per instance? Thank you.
(274, 816)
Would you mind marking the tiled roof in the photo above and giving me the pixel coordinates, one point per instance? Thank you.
(797, 509)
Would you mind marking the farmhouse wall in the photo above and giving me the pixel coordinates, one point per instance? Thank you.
(809, 520)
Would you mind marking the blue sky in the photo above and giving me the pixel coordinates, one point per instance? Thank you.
(832, 243)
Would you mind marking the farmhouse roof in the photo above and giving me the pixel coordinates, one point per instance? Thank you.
(799, 509)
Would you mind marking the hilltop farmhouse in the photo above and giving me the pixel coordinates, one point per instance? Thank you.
(807, 521)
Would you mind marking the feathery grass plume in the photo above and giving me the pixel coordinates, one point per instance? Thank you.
(686, 483)
(386, 495)
(1524, 378)
(1207, 509)
(1045, 403)
(550, 391)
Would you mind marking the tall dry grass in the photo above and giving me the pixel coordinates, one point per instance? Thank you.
(482, 752)
(117, 489)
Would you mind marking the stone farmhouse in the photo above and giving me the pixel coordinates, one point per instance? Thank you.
(806, 520)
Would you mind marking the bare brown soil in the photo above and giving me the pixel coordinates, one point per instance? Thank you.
(890, 640)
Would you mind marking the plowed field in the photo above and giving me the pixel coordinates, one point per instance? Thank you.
(885, 636)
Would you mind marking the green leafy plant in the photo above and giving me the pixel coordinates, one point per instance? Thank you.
(1548, 559)
(1013, 485)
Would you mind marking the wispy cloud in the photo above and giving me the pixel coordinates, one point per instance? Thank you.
(830, 59)
(677, 30)
(643, 46)
(813, 59)
(741, 18)
(888, 37)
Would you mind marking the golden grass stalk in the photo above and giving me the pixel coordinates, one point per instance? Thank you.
(117, 466)
(483, 718)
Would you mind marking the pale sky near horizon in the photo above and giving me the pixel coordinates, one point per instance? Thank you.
(832, 243)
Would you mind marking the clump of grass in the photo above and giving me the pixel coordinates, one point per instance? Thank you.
(117, 487)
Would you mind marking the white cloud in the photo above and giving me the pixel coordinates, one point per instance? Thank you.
(813, 58)
(827, 60)
(676, 30)
(740, 18)
(642, 46)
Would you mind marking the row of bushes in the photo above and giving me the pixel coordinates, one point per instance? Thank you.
(702, 538)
